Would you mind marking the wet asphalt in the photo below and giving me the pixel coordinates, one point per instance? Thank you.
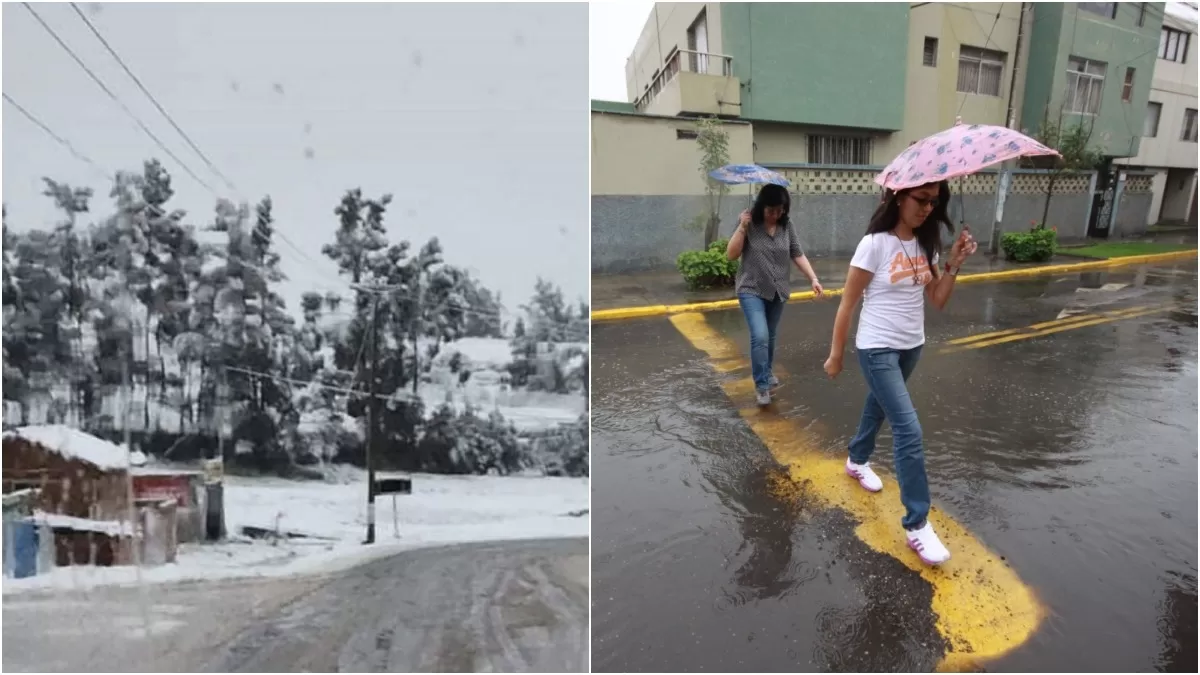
(1072, 455)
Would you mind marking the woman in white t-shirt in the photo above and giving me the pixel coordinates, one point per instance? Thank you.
(894, 270)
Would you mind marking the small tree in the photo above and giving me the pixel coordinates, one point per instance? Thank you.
(714, 149)
(1072, 143)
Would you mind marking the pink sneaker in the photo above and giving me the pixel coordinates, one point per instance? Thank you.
(864, 475)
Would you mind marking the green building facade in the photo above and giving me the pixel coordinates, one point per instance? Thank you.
(1092, 64)
(824, 64)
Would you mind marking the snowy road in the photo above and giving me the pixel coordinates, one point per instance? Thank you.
(508, 607)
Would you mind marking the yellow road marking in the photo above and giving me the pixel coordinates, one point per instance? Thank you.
(983, 608)
(621, 313)
(1049, 328)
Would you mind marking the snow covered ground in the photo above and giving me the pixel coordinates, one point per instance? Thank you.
(441, 510)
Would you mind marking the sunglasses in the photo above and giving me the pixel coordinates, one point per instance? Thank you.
(932, 202)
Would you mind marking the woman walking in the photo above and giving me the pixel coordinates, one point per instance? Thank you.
(767, 242)
(892, 273)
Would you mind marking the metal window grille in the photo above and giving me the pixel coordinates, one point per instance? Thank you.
(980, 71)
(1189, 125)
(1085, 85)
(1127, 88)
(846, 150)
(929, 57)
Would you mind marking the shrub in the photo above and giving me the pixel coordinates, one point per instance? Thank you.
(1036, 245)
(708, 268)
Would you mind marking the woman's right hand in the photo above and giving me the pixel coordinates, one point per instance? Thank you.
(833, 365)
(744, 221)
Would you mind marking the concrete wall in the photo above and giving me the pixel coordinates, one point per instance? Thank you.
(819, 63)
(636, 154)
(1060, 31)
(646, 186)
(831, 206)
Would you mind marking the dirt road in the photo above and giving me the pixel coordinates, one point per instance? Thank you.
(500, 607)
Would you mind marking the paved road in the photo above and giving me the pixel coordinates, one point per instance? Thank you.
(1061, 426)
(503, 607)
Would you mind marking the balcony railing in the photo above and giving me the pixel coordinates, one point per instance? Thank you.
(687, 60)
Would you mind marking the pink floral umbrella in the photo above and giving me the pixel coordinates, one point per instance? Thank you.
(958, 151)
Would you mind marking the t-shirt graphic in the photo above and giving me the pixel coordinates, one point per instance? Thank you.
(904, 268)
(893, 306)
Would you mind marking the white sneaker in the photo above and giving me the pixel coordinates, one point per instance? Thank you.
(764, 398)
(865, 476)
(927, 545)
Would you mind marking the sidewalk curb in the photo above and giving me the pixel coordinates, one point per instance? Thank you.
(622, 313)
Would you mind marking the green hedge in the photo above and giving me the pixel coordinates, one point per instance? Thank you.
(1037, 245)
(708, 268)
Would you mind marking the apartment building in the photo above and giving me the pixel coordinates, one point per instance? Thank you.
(829, 83)
(1168, 130)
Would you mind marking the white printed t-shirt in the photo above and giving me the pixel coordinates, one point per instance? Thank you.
(893, 308)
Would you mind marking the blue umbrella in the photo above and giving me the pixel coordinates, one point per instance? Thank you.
(741, 174)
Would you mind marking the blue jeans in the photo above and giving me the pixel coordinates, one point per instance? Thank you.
(763, 318)
(886, 371)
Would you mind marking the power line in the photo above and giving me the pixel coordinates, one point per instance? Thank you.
(61, 141)
(150, 96)
(95, 78)
(986, 42)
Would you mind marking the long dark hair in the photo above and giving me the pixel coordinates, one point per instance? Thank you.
(929, 235)
(771, 195)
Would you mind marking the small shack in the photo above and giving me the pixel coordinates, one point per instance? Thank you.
(82, 485)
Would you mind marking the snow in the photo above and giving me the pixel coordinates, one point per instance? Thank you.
(479, 351)
(75, 444)
(56, 520)
(441, 510)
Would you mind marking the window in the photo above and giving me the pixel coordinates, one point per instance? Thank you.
(980, 71)
(849, 150)
(1142, 7)
(1085, 85)
(686, 134)
(1189, 126)
(1127, 89)
(1153, 115)
(1107, 10)
(929, 58)
(1173, 45)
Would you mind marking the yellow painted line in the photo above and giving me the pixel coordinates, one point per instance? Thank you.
(983, 608)
(1046, 328)
(1113, 316)
(622, 313)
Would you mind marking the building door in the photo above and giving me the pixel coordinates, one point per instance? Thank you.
(698, 43)
(1103, 202)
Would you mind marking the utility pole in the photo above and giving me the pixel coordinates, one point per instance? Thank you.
(372, 419)
(1005, 177)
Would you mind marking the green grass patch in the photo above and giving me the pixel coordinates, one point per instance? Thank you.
(1125, 249)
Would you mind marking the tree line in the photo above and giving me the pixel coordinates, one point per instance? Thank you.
(192, 318)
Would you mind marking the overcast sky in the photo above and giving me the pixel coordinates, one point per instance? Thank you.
(474, 116)
(614, 30)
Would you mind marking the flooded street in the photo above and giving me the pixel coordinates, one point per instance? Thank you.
(1060, 419)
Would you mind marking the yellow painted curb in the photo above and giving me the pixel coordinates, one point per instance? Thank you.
(621, 313)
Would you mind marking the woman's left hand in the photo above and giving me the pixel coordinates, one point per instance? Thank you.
(818, 289)
(964, 246)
